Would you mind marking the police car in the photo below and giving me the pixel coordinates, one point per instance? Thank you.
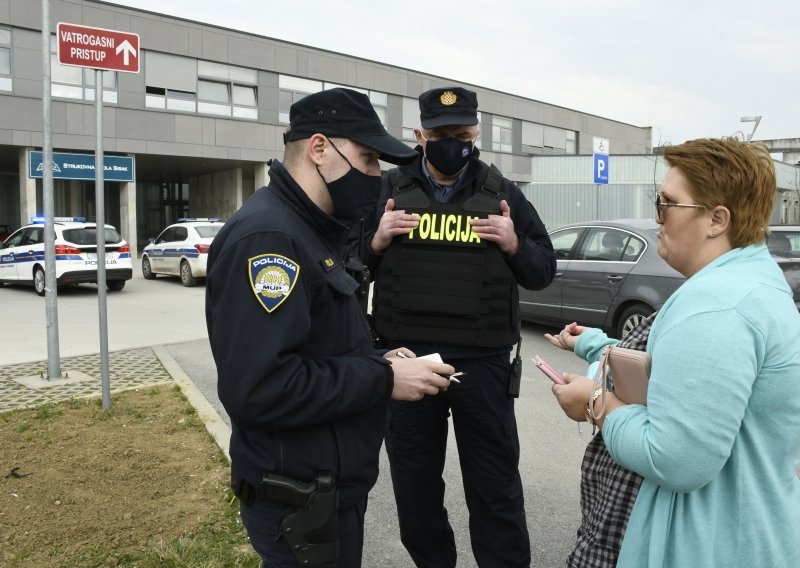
(22, 255)
(181, 250)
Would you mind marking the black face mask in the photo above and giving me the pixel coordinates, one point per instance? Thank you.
(354, 195)
(448, 155)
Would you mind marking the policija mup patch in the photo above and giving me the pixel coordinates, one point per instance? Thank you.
(272, 278)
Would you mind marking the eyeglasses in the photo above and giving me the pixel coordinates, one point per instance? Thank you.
(660, 207)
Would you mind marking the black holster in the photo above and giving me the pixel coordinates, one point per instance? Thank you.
(515, 374)
(310, 527)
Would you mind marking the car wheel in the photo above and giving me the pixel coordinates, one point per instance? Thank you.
(147, 270)
(115, 285)
(631, 317)
(38, 280)
(186, 275)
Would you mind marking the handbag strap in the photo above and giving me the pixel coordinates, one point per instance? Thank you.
(601, 383)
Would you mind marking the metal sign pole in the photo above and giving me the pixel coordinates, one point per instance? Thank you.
(50, 285)
(100, 206)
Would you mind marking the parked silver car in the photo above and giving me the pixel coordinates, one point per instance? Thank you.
(609, 275)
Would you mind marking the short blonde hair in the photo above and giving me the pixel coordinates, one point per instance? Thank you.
(737, 175)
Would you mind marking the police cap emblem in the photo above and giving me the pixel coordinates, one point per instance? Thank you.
(448, 98)
(272, 279)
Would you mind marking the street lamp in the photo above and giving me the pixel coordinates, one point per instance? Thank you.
(756, 120)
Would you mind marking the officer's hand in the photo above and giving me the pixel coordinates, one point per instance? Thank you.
(498, 229)
(400, 352)
(393, 223)
(414, 378)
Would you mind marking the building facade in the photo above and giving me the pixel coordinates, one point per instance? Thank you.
(208, 110)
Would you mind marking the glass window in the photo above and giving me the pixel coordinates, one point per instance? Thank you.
(181, 100)
(213, 92)
(211, 69)
(155, 101)
(563, 241)
(244, 75)
(379, 99)
(5, 61)
(209, 231)
(66, 91)
(501, 134)
(109, 79)
(180, 234)
(88, 236)
(244, 112)
(572, 142)
(291, 90)
(289, 83)
(65, 73)
(633, 250)
(245, 96)
(604, 244)
(72, 82)
(213, 108)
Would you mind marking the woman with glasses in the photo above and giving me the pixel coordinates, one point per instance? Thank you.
(718, 443)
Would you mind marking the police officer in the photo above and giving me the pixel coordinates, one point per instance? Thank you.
(454, 240)
(297, 373)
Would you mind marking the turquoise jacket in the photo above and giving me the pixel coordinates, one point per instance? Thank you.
(719, 440)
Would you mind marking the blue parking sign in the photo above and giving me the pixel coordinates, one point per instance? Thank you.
(601, 168)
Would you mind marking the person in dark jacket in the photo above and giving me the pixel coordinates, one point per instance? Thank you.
(454, 240)
(297, 373)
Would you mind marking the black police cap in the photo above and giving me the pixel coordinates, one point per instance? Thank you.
(344, 113)
(446, 106)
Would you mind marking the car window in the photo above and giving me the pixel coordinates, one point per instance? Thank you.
(180, 234)
(16, 239)
(208, 231)
(88, 236)
(633, 249)
(34, 236)
(165, 236)
(784, 243)
(564, 240)
(603, 243)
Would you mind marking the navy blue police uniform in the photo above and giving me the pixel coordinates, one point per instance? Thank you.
(448, 298)
(297, 373)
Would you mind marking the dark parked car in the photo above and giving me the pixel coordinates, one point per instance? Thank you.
(784, 245)
(609, 275)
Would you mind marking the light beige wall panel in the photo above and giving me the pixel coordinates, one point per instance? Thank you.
(246, 52)
(285, 60)
(214, 45)
(160, 35)
(145, 125)
(188, 129)
(239, 134)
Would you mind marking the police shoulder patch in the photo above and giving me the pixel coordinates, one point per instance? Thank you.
(272, 278)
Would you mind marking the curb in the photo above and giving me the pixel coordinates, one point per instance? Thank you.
(215, 425)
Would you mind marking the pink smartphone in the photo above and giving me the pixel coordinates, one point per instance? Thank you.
(551, 373)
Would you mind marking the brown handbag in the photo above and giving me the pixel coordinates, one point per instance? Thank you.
(630, 373)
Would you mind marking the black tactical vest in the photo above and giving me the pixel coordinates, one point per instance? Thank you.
(441, 283)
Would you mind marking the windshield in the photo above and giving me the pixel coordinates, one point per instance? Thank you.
(208, 231)
(88, 236)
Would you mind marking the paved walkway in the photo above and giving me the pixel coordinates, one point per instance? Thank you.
(25, 385)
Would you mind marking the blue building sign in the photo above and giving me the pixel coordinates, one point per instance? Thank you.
(81, 166)
(601, 168)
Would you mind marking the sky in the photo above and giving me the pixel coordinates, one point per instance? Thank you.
(688, 69)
